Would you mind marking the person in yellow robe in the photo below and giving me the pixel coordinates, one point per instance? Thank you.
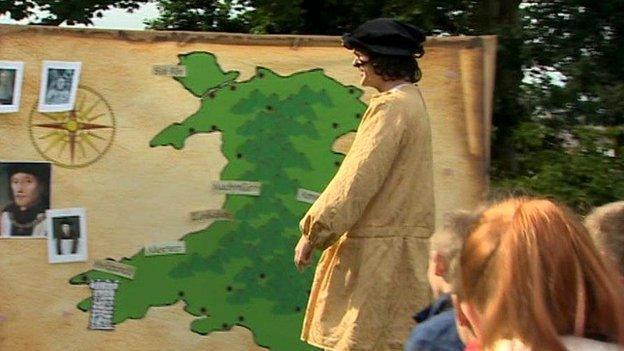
(374, 218)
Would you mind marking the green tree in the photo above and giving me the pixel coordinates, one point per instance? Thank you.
(200, 15)
(571, 147)
(582, 40)
(70, 12)
(309, 16)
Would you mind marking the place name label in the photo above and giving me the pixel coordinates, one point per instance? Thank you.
(210, 214)
(308, 196)
(116, 268)
(237, 187)
(166, 248)
(169, 70)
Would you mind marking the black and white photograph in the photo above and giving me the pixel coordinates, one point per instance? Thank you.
(59, 83)
(68, 241)
(11, 74)
(24, 198)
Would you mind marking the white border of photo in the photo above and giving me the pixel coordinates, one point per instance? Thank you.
(43, 88)
(18, 66)
(81, 255)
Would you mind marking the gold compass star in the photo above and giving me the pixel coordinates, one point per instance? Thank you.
(74, 129)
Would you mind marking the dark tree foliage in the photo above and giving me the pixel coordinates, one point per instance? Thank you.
(330, 17)
(68, 11)
(570, 147)
(200, 15)
(334, 17)
(583, 40)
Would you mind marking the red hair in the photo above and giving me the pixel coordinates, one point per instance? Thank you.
(531, 270)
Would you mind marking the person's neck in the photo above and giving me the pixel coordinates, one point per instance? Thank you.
(387, 85)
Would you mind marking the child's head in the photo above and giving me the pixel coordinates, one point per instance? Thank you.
(445, 245)
(530, 271)
(606, 226)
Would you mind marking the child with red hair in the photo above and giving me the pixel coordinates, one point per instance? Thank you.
(532, 279)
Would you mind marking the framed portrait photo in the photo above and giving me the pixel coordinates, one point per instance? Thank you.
(67, 241)
(24, 198)
(11, 75)
(59, 84)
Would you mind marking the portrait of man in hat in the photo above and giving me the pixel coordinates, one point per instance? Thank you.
(66, 235)
(26, 198)
(372, 222)
(67, 228)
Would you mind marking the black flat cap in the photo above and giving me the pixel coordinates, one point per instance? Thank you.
(39, 170)
(386, 36)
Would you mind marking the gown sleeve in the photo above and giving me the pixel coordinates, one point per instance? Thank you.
(359, 178)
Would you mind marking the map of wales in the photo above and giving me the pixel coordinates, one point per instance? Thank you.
(277, 130)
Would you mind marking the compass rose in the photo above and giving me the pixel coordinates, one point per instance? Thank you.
(75, 138)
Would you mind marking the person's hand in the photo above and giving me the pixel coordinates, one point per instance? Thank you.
(303, 253)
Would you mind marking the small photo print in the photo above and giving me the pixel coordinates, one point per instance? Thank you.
(11, 74)
(59, 83)
(24, 198)
(68, 241)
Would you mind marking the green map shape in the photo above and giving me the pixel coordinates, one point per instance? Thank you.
(277, 130)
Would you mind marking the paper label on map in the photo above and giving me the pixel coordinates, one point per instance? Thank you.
(210, 214)
(237, 187)
(102, 304)
(116, 268)
(169, 70)
(308, 196)
(166, 248)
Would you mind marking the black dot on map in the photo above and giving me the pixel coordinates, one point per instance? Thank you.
(351, 91)
(241, 318)
(262, 275)
(260, 75)
(269, 108)
(85, 278)
(203, 310)
(229, 288)
(192, 130)
(357, 116)
(181, 293)
(225, 325)
(335, 125)
(214, 128)
(337, 163)
(232, 87)
(239, 155)
(297, 309)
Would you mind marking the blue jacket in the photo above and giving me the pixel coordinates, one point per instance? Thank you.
(436, 329)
